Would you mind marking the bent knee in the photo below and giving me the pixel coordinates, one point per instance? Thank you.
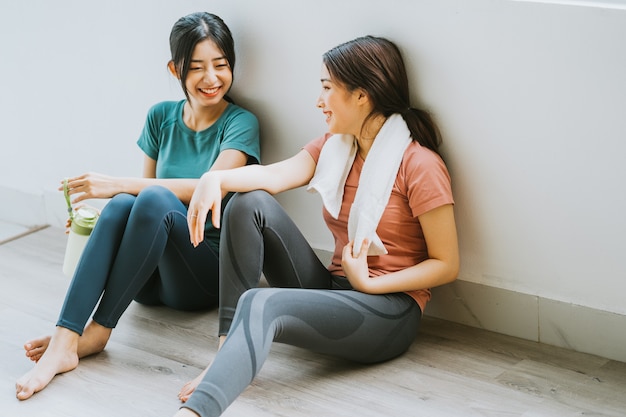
(154, 192)
(156, 199)
(118, 207)
(253, 204)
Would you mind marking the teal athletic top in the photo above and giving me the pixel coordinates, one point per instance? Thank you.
(180, 152)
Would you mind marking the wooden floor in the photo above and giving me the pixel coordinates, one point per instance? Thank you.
(451, 370)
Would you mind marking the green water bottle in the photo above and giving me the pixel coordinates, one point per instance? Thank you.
(83, 222)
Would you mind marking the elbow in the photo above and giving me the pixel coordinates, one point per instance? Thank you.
(453, 276)
(455, 268)
(452, 271)
(448, 277)
(271, 190)
(446, 272)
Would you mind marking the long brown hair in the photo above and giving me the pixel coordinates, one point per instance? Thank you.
(375, 65)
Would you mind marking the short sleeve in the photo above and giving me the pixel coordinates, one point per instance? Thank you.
(314, 147)
(241, 132)
(148, 141)
(427, 180)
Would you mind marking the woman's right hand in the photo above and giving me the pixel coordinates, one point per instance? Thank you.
(206, 197)
(91, 185)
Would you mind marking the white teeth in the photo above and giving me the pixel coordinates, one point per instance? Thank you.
(209, 90)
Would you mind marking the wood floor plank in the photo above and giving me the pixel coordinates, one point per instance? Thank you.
(450, 371)
(567, 387)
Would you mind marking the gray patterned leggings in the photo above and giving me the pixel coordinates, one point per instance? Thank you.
(306, 306)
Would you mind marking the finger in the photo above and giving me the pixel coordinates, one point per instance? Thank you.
(190, 227)
(78, 186)
(364, 248)
(73, 186)
(200, 223)
(195, 224)
(62, 186)
(358, 250)
(347, 250)
(191, 224)
(79, 198)
(216, 214)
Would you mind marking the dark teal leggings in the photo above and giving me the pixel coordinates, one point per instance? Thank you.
(312, 309)
(140, 249)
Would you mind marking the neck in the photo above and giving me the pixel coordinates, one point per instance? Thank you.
(368, 134)
(198, 119)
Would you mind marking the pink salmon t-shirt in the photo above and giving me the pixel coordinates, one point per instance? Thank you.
(422, 184)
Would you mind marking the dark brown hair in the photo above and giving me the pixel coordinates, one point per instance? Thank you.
(188, 31)
(375, 65)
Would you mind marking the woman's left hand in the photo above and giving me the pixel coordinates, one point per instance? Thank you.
(356, 268)
(206, 198)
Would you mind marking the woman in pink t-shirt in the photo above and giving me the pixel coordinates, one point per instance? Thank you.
(367, 304)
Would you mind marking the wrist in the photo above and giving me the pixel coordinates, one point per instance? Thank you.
(121, 185)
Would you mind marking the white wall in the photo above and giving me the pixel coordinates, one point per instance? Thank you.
(531, 99)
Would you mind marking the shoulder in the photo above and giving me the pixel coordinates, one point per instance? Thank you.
(165, 110)
(237, 114)
(166, 106)
(314, 147)
(417, 156)
(424, 178)
(423, 167)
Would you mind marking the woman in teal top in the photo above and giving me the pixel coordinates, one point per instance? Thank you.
(140, 248)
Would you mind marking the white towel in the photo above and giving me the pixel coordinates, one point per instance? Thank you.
(375, 184)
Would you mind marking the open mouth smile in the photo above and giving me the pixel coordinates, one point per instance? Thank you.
(209, 91)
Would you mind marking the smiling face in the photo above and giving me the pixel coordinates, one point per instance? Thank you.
(341, 107)
(209, 77)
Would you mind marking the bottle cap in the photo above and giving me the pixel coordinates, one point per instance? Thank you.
(84, 221)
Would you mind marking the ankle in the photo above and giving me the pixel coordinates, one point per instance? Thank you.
(64, 337)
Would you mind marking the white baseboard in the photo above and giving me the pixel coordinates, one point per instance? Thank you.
(556, 323)
(22, 208)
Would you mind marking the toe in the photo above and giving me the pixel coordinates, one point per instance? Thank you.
(24, 392)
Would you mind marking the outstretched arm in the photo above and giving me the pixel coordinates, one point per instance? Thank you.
(274, 178)
(95, 185)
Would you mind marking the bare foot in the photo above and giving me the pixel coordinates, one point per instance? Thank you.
(36, 347)
(60, 356)
(190, 387)
(93, 340)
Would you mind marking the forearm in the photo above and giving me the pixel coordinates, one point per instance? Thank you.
(182, 187)
(440, 268)
(274, 178)
(248, 178)
(281, 176)
(427, 274)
